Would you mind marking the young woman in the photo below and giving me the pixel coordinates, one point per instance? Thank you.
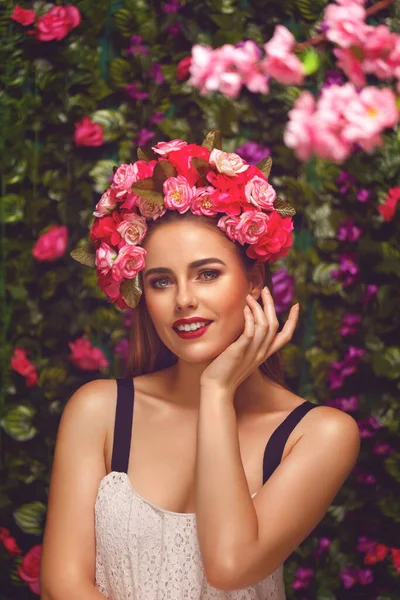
(198, 473)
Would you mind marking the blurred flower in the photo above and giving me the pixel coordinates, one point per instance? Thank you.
(345, 180)
(88, 133)
(333, 78)
(345, 24)
(365, 576)
(174, 28)
(144, 136)
(280, 62)
(57, 23)
(9, 542)
(323, 545)
(29, 569)
(283, 286)
(383, 448)
(365, 544)
(348, 269)
(136, 46)
(156, 73)
(388, 208)
(23, 15)
(349, 577)
(183, 68)
(133, 91)
(347, 231)
(22, 365)
(302, 578)
(156, 118)
(171, 7)
(349, 324)
(363, 195)
(339, 370)
(122, 349)
(51, 245)
(86, 356)
(346, 404)
(252, 152)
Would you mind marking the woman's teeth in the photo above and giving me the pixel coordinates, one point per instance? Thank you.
(192, 326)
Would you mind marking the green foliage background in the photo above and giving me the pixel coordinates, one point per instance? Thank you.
(46, 179)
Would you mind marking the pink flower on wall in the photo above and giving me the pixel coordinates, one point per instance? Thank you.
(30, 568)
(388, 208)
(51, 245)
(86, 356)
(57, 23)
(23, 15)
(88, 133)
(22, 365)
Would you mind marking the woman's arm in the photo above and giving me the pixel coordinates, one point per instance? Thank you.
(67, 570)
(244, 540)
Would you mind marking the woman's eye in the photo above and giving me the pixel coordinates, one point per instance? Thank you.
(213, 272)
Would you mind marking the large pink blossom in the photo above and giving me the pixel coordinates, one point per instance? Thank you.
(260, 193)
(351, 65)
(251, 226)
(299, 133)
(346, 24)
(57, 22)
(132, 228)
(202, 202)
(280, 62)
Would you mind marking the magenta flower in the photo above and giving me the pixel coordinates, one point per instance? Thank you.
(345, 180)
(349, 577)
(346, 404)
(283, 286)
(365, 544)
(333, 78)
(382, 448)
(144, 136)
(371, 291)
(252, 152)
(363, 477)
(302, 578)
(347, 231)
(349, 324)
(365, 576)
(133, 91)
(171, 7)
(363, 195)
(348, 269)
(156, 73)
(323, 545)
(339, 370)
(156, 118)
(136, 46)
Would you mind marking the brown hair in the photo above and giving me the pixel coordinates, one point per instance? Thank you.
(147, 353)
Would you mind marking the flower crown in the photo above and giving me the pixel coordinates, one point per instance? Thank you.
(179, 176)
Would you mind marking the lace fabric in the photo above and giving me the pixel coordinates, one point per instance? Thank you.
(144, 552)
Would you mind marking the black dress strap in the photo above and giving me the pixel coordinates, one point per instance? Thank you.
(276, 443)
(123, 424)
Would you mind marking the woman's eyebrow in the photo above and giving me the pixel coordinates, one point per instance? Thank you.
(192, 265)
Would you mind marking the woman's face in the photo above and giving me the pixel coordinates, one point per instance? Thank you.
(215, 291)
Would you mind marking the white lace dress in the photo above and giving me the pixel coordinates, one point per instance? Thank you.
(144, 552)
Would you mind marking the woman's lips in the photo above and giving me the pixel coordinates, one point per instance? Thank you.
(187, 335)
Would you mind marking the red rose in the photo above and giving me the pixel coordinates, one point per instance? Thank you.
(9, 542)
(88, 133)
(57, 23)
(182, 161)
(105, 229)
(183, 68)
(21, 364)
(23, 16)
(29, 568)
(276, 242)
(379, 553)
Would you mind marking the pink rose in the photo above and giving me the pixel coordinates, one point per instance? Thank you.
(132, 228)
(201, 67)
(165, 148)
(227, 163)
(86, 356)
(51, 244)
(252, 225)
(105, 256)
(129, 262)
(228, 225)
(88, 133)
(183, 68)
(346, 24)
(149, 209)
(178, 193)
(260, 193)
(202, 203)
(57, 23)
(22, 365)
(9, 542)
(23, 16)
(106, 204)
(230, 84)
(298, 132)
(29, 569)
(124, 177)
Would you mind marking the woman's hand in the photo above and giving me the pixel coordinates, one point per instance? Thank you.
(258, 341)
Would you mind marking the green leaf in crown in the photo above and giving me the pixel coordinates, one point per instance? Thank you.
(265, 166)
(284, 208)
(213, 140)
(85, 255)
(131, 291)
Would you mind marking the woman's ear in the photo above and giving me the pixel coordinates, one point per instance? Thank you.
(256, 280)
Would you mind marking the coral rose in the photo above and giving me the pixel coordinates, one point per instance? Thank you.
(178, 193)
(88, 133)
(129, 262)
(86, 356)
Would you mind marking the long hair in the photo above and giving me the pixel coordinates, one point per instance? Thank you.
(147, 353)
